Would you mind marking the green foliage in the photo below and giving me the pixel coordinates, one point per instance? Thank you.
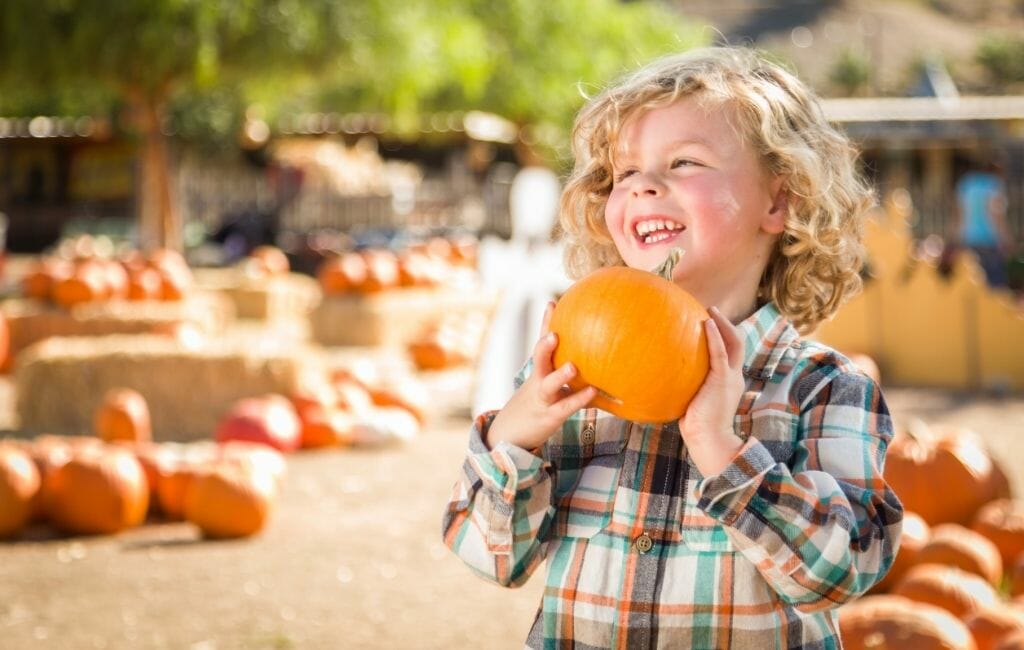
(203, 60)
(850, 73)
(1002, 56)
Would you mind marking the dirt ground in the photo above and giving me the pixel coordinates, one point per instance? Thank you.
(352, 559)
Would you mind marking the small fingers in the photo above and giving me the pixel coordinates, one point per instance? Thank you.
(542, 353)
(551, 386)
(574, 402)
(716, 346)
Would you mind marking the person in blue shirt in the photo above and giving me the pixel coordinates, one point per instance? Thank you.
(979, 220)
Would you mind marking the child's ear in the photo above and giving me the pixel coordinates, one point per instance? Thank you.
(774, 221)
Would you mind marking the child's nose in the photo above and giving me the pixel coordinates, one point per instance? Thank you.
(648, 185)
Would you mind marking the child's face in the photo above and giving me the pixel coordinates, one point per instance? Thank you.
(684, 177)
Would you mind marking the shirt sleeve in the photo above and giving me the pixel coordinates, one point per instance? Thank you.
(501, 508)
(826, 527)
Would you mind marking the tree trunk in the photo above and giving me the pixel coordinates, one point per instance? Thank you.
(159, 220)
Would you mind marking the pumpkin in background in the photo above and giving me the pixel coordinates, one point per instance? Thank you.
(636, 337)
(1002, 521)
(86, 283)
(989, 625)
(352, 397)
(97, 492)
(267, 260)
(884, 621)
(254, 457)
(342, 274)
(115, 277)
(381, 271)
(144, 283)
(919, 456)
(229, 502)
(270, 420)
(19, 483)
(123, 414)
(916, 532)
(404, 392)
(954, 545)
(38, 283)
(954, 590)
(176, 473)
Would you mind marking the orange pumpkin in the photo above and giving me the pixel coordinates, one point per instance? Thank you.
(268, 260)
(341, 274)
(1002, 521)
(406, 393)
(254, 457)
(123, 414)
(950, 588)
(38, 283)
(144, 284)
(228, 502)
(381, 271)
(19, 483)
(915, 535)
(97, 492)
(88, 282)
(636, 337)
(176, 474)
(969, 476)
(989, 625)
(885, 621)
(963, 548)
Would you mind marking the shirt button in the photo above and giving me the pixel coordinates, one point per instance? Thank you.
(643, 543)
(587, 435)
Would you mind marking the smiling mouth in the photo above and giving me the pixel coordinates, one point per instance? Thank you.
(652, 231)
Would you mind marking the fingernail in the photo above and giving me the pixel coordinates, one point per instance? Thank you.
(551, 337)
(569, 368)
(714, 310)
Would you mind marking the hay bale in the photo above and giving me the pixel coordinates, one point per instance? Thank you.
(393, 317)
(60, 381)
(32, 321)
(279, 297)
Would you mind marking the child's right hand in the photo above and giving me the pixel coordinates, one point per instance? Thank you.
(543, 402)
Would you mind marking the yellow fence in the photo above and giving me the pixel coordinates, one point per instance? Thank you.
(925, 329)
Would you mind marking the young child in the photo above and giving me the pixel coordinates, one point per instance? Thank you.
(744, 524)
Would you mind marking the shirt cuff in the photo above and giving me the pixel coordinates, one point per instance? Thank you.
(505, 469)
(726, 495)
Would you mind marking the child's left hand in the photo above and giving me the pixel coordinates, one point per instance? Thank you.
(706, 426)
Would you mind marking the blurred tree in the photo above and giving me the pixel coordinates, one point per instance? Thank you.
(193, 65)
(526, 60)
(850, 73)
(1002, 56)
(142, 54)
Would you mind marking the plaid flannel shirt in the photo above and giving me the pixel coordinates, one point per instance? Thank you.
(644, 552)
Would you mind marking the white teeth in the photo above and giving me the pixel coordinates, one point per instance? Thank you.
(644, 228)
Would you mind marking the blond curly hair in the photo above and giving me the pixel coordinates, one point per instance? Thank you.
(815, 264)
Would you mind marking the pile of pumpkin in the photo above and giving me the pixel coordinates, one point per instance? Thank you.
(437, 261)
(227, 486)
(451, 342)
(162, 274)
(958, 578)
(264, 262)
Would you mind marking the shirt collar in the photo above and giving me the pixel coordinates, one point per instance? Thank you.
(767, 335)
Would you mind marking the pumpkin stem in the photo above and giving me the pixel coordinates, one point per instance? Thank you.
(665, 268)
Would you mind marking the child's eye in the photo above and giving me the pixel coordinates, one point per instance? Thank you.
(683, 162)
(624, 174)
